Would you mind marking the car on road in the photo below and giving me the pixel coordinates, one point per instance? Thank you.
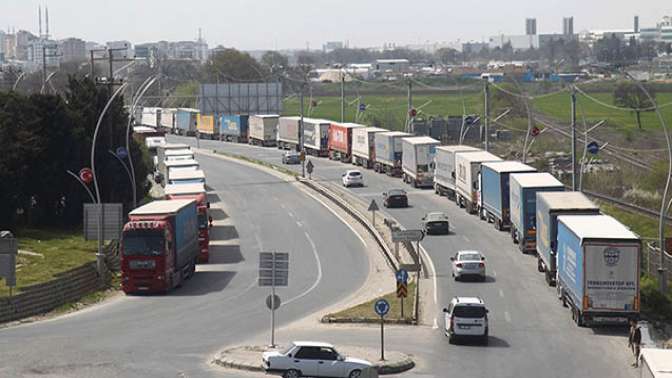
(291, 157)
(435, 223)
(466, 317)
(468, 264)
(313, 359)
(353, 177)
(395, 198)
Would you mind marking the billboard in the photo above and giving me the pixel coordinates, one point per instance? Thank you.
(241, 98)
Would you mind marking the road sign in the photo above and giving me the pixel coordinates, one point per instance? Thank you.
(413, 112)
(593, 148)
(410, 267)
(373, 206)
(121, 152)
(402, 290)
(273, 302)
(402, 276)
(273, 269)
(362, 107)
(309, 167)
(535, 131)
(407, 235)
(382, 307)
(8, 251)
(112, 220)
(86, 175)
(302, 155)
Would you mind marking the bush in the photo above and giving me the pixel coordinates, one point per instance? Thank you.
(654, 304)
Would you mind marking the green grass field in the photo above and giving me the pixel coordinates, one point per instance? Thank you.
(48, 252)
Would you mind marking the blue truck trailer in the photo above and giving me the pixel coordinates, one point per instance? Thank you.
(598, 269)
(495, 190)
(186, 120)
(523, 188)
(234, 128)
(550, 205)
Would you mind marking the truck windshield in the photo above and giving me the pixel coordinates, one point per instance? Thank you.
(143, 243)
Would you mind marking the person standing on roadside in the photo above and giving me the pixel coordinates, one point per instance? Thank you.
(635, 340)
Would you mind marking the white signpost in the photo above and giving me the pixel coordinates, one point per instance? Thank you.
(273, 271)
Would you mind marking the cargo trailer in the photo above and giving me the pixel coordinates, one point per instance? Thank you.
(316, 136)
(468, 178)
(168, 118)
(340, 141)
(233, 128)
(550, 205)
(598, 269)
(417, 160)
(364, 145)
(288, 133)
(186, 120)
(495, 191)
(523, 189)
(388, 152)
(207, 127)
(197, 193)
(655, 363)
(262, 129)
(444, 168)
(151, 117)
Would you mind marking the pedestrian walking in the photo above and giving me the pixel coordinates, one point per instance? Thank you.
(635, 340)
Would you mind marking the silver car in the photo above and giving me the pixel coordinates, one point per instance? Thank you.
(468, 264)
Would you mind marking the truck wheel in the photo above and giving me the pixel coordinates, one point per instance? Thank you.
(436, 189)
(549, 278)
(467, 207)
(540, 265)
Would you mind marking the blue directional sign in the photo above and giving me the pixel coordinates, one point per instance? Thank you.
(593, 148)
(402, 276)
(121, 152)
(382, 307)
(362, 107)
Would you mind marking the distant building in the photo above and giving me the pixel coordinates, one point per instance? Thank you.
(636, 24)
(72, 50)
(125, 46)
(392, 65)
(23, 40)
(517, 42)
(9, 46)
(331, 46)
(531, 26)
(41, 49)
(474, 47)
(568, 26)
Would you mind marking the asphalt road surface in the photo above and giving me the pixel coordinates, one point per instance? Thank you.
(531, 334)
(175, 335)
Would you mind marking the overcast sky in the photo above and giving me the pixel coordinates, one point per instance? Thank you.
(282, 24)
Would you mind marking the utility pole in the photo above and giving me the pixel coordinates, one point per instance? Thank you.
(342, 96)
(300, 140)
(410, 106)
(92, 69)
(486, 120)
(574, 173)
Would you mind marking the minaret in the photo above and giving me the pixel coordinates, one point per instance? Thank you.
(46, 11)
(39, 16)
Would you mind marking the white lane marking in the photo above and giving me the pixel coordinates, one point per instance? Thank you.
(494, 273)
(431, 266)
(299, 223)
(435, 325)
(339, 217)
(507, 316)
(259, 243)
(291, 215)
(319, 271)
(466, 238)
(283, 205)
(501, 293)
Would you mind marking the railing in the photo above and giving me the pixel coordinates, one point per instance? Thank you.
(651, 261)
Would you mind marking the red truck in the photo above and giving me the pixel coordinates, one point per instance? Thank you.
(159, 246)
(198, 194)
(340, 141)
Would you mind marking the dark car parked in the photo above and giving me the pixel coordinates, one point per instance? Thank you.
(395, 198)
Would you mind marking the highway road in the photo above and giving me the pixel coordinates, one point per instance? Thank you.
(531, 334)
(175, 335)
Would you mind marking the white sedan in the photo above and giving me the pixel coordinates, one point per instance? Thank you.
(468, 263)
(313, 359)
(353, 177)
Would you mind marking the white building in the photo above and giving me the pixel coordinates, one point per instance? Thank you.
(125, 46)
(518, 42)
(41, 49)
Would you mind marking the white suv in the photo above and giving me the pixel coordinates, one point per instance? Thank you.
(314, 359)
(466, 317)
(353, 177)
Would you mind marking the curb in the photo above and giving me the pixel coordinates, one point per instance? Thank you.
(396, 367)
(232, 364)
(338, 320)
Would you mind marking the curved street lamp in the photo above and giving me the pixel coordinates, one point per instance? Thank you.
(18, 79)
(73, 174)
(51, 75)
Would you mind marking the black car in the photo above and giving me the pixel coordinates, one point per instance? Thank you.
(395, 198)
(435, 223)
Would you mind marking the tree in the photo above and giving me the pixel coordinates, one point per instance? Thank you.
(231, 65)
(272, 59)
(448, 56)
(630, 95)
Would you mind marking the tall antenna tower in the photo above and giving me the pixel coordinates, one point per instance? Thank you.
(39, 17)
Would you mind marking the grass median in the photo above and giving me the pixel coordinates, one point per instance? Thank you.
(364, 312)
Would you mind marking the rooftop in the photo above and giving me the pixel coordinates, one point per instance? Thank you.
(597, 227)
(535, 180)
(567, 200)
(161, 207)
(509, 166)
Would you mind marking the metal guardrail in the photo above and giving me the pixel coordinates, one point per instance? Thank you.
(651, 261)
(625, 204)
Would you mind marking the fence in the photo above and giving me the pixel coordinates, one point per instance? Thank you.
(651, 261)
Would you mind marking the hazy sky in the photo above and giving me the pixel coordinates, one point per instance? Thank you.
(269, 24)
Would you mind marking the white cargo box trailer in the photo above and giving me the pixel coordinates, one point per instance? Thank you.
(316, 136)
(468, 178)
(262, 129)
(444, 168)
(388, 152)
(417, 160)
(288, 132)
(364, 145)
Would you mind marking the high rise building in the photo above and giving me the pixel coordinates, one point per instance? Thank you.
(531, 26)
(568, 26)
(636, 25)
(72, 50)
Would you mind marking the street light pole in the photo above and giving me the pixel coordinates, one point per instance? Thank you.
(575, 185)
(486, 143)
(342, 96)
(300, 144)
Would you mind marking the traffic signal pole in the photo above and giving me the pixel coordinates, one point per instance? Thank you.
(574, 166)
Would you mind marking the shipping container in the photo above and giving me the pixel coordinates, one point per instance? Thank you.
(233, 128)
(262, 129)
(444, 168)
(168, 118)
(185, 121)
(151, 117)
(316, 136)
(196, 176)
(417, 160)
(598, 269)
(523, 201)
(549, 206)
(288, 132)
(207, 127)
(340, 141)
(364, 145)
(388, 152)
(161, 152)
(495, 190)
(655, 363)
(468, 178)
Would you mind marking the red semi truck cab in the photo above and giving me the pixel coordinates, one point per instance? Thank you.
(197, 193)
(159, 246)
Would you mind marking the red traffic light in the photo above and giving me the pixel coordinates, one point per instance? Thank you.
(86, 175)
(535, 131)
(413, 112)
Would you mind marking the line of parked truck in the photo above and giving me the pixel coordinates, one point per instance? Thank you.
(164, 240)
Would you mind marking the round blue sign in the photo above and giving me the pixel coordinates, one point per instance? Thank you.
(121, 152)
(593, 148)
(402, 275)
(382, 307)
(362, 107)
